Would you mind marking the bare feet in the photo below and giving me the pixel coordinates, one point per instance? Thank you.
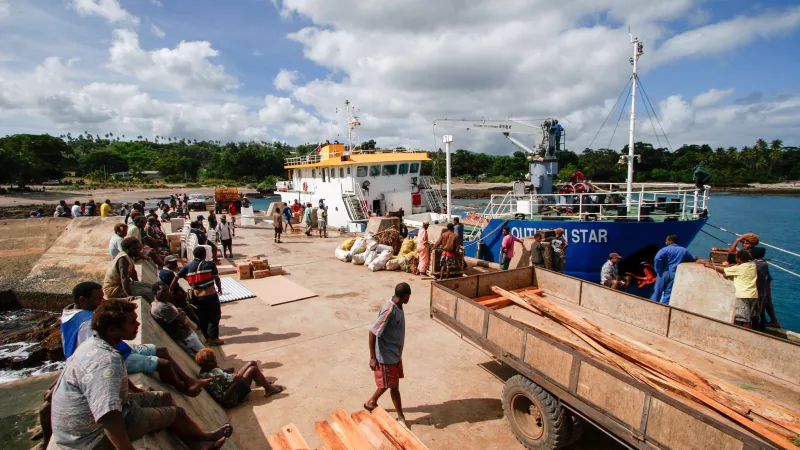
(214, 445)
(194, 389)
(216, 341)
(370, 405)
(273, 389)
(224, 431)
(402, 421)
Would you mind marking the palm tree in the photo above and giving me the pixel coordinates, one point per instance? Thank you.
(775, 154)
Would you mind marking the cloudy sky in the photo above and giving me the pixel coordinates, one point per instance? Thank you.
(723, 72)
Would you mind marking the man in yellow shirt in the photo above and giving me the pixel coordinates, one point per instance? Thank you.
(744, 276)
(105, 208)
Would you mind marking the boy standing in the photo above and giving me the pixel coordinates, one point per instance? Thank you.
(537, 250)
(744, 278)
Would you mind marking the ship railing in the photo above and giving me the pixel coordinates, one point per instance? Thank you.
(428, 183)
(314, 158)
(674, 204)
(306, 159)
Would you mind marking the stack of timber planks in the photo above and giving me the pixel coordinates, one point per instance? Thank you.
(498, 301)
(776, 424)
(358, 431)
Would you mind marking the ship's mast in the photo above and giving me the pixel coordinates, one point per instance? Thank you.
(352, 126)
(638, 50)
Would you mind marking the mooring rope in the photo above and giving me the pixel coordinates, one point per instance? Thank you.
(761, 242)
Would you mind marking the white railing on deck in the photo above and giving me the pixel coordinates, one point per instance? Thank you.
(690, 203)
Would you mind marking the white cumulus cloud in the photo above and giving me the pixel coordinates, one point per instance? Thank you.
(711, 97)
(185, 69)
(108, 9)
(157, 31)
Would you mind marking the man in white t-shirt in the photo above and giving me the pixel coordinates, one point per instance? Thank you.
(322, 220)
(76, 209)
(224, 233)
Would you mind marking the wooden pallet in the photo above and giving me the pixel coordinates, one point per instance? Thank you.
(358, 431)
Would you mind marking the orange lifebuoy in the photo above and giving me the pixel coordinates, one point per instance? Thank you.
(581, 187)
(305, 187)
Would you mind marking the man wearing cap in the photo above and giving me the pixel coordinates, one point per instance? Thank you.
(609, 274)
(179, 296)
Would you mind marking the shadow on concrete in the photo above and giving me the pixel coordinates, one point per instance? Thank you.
(231, 335)
(498, 370)
(469, 410)
(247, 422)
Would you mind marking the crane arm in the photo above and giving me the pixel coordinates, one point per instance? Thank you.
(502, 126)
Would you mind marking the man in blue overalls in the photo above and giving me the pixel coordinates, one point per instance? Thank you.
(666, 265)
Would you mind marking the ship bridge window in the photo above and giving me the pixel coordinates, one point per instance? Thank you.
(341, 172)
(389, 169)
(333, 172)
(403, 169)
(348, 170)
(414, 167)
(361, 171)
(313, 173)
(374, 171)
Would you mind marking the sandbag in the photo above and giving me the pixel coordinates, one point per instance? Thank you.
(342, 255)
(371, 254)
(359, 258)
(359, 246)
(380, 248)
(348, 244)
(393, 264)
(379, 262)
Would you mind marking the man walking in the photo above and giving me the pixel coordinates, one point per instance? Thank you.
(202, 275)
(666, 266)
(287, 216)
(386, 340)
(224, 233)
(423, 249)
(322, 219)
(458, 229)
(307, 218)
(277, 224)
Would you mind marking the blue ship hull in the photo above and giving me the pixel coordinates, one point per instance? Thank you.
(590, 242)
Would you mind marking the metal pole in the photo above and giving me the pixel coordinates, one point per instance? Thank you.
(448, 139)
(631, 140)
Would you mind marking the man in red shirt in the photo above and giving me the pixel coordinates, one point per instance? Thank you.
(232, 212)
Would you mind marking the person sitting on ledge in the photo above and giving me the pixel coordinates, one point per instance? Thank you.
(93, 404)
(230, 390)
(173, 320)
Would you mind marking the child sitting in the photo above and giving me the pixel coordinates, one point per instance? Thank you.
(230, 390)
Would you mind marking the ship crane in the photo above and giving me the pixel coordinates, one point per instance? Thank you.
(547, 140)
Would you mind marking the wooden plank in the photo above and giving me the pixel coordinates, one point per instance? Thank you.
(277, 290)
(486, 298)
(505, 335)
(618, 397)
(401, 436)
(470, 315)
(559, 285)
(680, 431)
(496, 303)
(443, 301)
(329, 437)
(278, 442)
(626, 308)
(372, 431)
(548, 359)
(294, 438)
(776, 357)
(351, 430)
(340, 434)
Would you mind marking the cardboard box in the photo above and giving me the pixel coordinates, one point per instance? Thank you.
(245, 271)
(259, 265)
(276, 270)
(261, 273)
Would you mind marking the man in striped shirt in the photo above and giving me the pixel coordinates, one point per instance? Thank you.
(386, 340)
(203, 277)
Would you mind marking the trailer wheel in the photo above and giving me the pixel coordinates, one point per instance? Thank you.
(576, 428)
(538, 420)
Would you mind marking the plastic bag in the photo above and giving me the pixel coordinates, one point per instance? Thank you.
(379, 263)
(380, 248)
(348, 244)
(408, 247)
(359, 246)
(342, 255)
(359, 258)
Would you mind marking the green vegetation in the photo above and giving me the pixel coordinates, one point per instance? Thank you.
(26, 159)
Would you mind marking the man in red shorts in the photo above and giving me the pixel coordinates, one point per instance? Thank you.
(386, 339)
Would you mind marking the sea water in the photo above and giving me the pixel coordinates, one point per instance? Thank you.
(775, 219)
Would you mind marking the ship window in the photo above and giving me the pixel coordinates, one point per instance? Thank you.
(323, 174)
(414, 167)
(341, 172)
(361, 171)
(333, 172)
(313, 173)
(403, 169)
(374, 171)
(389, 169)
(348, 171)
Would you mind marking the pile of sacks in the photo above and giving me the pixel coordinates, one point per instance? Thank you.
(365, 250)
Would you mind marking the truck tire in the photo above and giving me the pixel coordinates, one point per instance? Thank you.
(537, 418)
(576, 428)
